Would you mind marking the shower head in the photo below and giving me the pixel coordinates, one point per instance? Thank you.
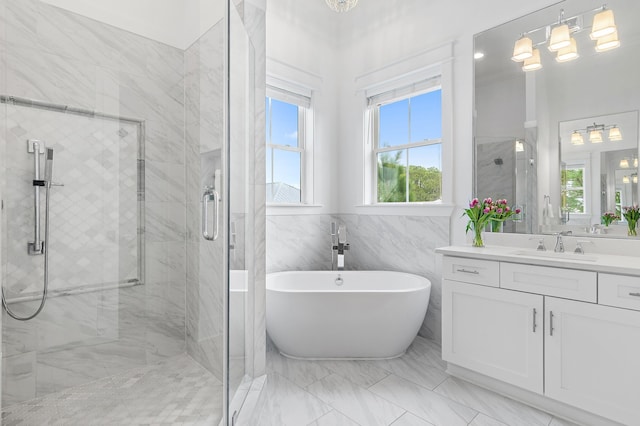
(48, 166)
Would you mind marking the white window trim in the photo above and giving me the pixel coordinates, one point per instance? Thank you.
(436, 62)
(583, 163)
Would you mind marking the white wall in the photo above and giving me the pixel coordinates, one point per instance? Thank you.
(177, 23)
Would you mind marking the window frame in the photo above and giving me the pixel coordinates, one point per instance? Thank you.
(303, 101)
(586, 182)
(374, 114)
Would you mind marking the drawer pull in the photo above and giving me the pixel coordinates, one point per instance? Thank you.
(634, 294)
(551, 323)
(534, 320)
(466, 271)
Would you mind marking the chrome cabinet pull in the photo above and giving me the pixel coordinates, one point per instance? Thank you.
(210, 194)
(634, 294)
(466, 271)
(535, 312)
(550, 323)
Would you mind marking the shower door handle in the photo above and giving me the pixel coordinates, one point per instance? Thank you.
(210, 194)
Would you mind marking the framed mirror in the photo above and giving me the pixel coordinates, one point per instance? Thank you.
(524, 120)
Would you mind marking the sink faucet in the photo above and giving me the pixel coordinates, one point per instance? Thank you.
(559, 248)
(338, 246)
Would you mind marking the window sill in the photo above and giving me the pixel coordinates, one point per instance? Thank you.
(409, 209)
(289, 209)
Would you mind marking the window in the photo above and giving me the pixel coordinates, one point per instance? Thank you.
(572, 181)
(407, 135)
(286, 153)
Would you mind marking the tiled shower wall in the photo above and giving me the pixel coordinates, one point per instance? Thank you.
(377, 242)
(56, 56)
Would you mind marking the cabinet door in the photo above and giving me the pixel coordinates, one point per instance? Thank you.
(495, 332)
(592, 358)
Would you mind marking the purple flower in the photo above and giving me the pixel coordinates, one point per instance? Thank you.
(487, 210)
(499, 211)
(518, 211)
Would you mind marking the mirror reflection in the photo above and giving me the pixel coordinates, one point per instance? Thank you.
(532, 104)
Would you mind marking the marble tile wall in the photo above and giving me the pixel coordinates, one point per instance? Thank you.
(491, 175)
(52, 55)
(395, 243)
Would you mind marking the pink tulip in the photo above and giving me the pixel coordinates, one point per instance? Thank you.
(487, 210)
(518, 211)
(499, 211)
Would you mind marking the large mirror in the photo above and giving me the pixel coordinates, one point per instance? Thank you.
(527, 124)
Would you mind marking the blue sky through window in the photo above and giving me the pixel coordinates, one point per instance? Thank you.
(282, 129)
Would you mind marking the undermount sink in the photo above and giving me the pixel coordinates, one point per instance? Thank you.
(553, 255)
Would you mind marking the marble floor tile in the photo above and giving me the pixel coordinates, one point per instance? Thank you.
(286, 404)
(560, 422)
(355, 402)
(419, 370)
(482, 420)
(490, 403)
(300, 372)
(334, 418)
(409, 419)
(363, 373)
(424, 403)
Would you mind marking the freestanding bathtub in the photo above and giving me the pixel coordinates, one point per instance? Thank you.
(345, 314)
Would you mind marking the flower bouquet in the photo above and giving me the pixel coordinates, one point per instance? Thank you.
(479, 214)
(632, 214)
(609, 217)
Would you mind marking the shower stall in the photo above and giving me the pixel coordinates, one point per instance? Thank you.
(131, 253)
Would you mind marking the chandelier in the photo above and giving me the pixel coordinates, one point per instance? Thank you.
(341, 5)
(559, 38)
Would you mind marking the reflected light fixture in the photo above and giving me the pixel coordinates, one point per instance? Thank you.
(560, 37)
(615, 134)
(625, 179)
(576, 138)
(635, 162)
(478, 55)
(519, 146)
(603, 24)
(568, 53)
(635, 179)
(608, 42)
(533, 63)
(624, 163)
(341, 5)
(523, 49)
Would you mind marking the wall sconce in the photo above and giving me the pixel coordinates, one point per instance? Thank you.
(519, 146)
(624, 163)
(625, 179)
(576, 138)
(559, 38)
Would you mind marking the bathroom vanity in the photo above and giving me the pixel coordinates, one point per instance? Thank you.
(559, 331)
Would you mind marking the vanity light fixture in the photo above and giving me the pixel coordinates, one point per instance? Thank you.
(615, 134)
(523, 49)
(625, 179)
(635, 162)
(624, 163)
(533, 63)
(576, 138)
(568, 53)
(634, 178)
(341, 5)
(559, 37)
(603, 24)
(595, 136)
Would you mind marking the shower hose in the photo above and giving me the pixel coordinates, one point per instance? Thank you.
(46, 264)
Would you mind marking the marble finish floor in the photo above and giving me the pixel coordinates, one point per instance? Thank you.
(177, 391)
(412, 390)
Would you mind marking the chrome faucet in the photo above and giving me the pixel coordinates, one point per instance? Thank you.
(559, 248)
(338, 246)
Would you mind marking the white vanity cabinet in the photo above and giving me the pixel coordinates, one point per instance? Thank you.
(547, 330)
(592, 358)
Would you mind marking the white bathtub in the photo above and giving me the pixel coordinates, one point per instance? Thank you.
(371, 315)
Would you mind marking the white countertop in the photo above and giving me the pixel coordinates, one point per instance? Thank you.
(615, 264)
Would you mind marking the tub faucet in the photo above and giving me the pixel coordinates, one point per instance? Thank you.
(338, 246)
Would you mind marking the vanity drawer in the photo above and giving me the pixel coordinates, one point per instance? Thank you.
(475, 271)
(619, 290)
(558, 282)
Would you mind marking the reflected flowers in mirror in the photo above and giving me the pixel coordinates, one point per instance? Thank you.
(631, 215)
(609, 217)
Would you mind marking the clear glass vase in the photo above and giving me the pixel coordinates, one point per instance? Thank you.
(477, 236)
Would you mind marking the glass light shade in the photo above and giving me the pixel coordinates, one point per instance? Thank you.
(595, 136)
(635, 178)
(624, 163)
(608, 42)
(519, 146)
(635, 162)
(341, 5)
(615, 134)
(533, 63)
(523, 49)
(603, 24)
(576, 138)
(560, 38)
(625, 179)
(568, 53)
(478, 55)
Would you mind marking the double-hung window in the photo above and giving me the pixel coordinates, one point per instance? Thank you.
(573, 189)
(286, 146)
(407, 143)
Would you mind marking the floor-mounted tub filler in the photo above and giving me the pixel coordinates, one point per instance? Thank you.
(345, 314)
